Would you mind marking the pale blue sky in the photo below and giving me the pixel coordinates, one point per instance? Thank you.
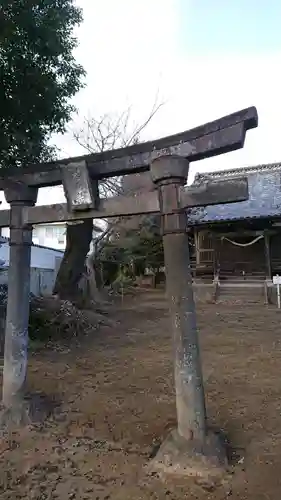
(231, 26)
(206, 58)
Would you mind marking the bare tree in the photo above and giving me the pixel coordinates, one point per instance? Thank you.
(76, 275)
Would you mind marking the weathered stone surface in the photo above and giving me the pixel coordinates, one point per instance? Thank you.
(78, 187)
(219, 136)
(179, 457)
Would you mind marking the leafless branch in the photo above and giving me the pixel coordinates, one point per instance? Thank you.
(139, 128)
(111, 132)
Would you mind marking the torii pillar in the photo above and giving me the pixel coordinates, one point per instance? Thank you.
(191, 449)
(15, 408)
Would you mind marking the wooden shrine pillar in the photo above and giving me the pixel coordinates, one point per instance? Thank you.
(197, 246)
(267, 254)
(216, 252)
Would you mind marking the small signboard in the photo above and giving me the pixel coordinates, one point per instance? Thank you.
(277, 281)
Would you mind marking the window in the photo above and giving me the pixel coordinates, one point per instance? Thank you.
(35, 232)
(61, 238)
(55, 232)
(49, 231)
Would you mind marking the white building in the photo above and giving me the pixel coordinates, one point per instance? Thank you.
(41, 257)
(50, 235)
(49, 241)
(45, 263)
(46, 235)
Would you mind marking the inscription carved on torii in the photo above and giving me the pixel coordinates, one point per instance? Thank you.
(168, 159)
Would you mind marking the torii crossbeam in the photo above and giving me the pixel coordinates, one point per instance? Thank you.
(214, 138)
(168, 159)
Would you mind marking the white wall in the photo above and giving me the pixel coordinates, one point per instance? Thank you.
(42, 258)
(49, 242)
(41, 280)
(52, 235)
(40, 235)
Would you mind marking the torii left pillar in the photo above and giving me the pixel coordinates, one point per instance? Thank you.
(14, 407)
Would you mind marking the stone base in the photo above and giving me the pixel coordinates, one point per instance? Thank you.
(31, 410)
(180, 457)
(14, 417)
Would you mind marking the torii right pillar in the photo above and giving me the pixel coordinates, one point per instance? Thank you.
(191, 449)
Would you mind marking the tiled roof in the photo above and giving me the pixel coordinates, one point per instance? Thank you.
(264, 195)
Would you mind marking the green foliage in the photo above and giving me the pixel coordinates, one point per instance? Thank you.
(123, 280)
(149, 250)
(135, 251)
(39, 328)
(38, 76)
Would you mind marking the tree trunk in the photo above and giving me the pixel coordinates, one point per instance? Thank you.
(78, 239)
(88, 285)
(93, 288)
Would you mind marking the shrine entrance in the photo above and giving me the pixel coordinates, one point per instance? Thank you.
(192, 448)
(234, 253)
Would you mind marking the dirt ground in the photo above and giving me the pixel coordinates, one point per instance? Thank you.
(115, 405)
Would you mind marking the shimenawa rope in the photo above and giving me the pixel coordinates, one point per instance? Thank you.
(243, 244)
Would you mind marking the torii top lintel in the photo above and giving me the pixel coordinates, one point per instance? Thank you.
(214, 138)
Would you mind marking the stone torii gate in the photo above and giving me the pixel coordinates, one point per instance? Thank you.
(168, 160)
